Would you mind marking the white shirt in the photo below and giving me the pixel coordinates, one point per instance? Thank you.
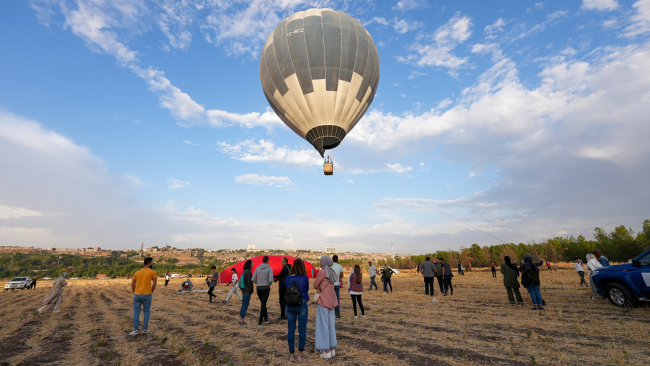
(234, 279)
(372, 270)
(337, 269)
(167, 278)
(578, 266)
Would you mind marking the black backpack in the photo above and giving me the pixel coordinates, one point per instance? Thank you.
(293, 296)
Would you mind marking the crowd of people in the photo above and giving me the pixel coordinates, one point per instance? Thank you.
(293, 291)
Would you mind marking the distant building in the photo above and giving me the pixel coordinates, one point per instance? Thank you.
(330, 250)
(251, 248)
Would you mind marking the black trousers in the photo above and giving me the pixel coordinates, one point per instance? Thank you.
(166, 282)
(283, 302)
(428, 286)
(448, 285)
(440, 283)
(494, 273)
(263, 294)
(211, 294)
(355, 299)
(33, 285)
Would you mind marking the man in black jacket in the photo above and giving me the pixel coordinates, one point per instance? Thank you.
(446, 272)
(282, 286)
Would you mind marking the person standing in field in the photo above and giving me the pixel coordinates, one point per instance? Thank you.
(469, 267)
(548, 265)
(263, 278)
(235, 286)
(214, 279)
(386, 275)
(326, 302)
(282, 289)
(355, 289)
(592, 265)
(429, 273)
(460, 269)
(372, 273)
(297, 307)
(246, 286)
(336, 267)
(530, 280)
(54, 298)
(33, 285)
(166, 278)
(312, 272)
(493, 268)
(601, 258)
(510, 273)
(439, 274)
(447, 275)
(577, 264)
(143, 285)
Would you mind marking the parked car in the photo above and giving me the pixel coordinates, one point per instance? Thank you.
(47, 278)
(74, 278)
(625, 284)
(19, 282)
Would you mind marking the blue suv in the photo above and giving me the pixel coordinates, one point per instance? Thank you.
(625, 284)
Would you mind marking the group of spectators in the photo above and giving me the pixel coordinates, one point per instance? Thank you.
(437, 268)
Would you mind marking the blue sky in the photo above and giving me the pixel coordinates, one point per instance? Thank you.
(123, 122)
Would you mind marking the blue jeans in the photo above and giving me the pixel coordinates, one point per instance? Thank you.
(246, 299)
(535, 294)
(300, 313)
(138, 302)
(325, 329)
(337, 310)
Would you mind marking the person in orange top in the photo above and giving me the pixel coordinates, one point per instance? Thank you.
(143, 284)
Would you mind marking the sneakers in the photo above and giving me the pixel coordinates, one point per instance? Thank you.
(224, 302)
(333, 352)
(326, 355)
(134, 333)
(356, 317)
(243, 323)
(144, 331)
(363, 316)
(338, 316)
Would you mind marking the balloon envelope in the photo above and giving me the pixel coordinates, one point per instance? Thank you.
(320, 70)
(274, 261)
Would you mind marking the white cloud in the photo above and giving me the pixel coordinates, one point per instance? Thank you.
(415, 74)
(137, 182)
(640, 20)
(600, 4)
(100, 25)
(406, 5)
(586, 119)
(435, 49)
(402, 26)
(265, 151)
(495, 27)
(264, 180)
(188, 142)
(378, 20)
(10, 212)
(551, 19)
(177, 183)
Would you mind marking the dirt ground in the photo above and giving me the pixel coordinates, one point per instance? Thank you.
(475, 326)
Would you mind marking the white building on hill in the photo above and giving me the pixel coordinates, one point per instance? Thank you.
(251, 248)
(330, 250)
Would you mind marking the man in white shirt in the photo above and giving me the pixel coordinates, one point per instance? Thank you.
(337, 285)
(372, 273)
(577, 263)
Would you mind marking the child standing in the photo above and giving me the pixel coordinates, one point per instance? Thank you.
(577, 263)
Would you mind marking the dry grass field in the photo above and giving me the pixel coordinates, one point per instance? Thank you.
(472, 327)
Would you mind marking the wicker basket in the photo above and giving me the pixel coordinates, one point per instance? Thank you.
(328, 169)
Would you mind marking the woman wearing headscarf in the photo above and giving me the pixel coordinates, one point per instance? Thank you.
(326, 302)
(591, 266)
(54, 297)
(530, 280)
(355, 288)
(510, 274)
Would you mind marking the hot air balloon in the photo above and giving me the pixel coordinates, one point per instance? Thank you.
(319, 70)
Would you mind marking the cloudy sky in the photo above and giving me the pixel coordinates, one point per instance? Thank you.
(127, 121)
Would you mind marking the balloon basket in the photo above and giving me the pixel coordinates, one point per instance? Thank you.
(328, 169)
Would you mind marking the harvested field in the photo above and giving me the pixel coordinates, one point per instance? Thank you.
(475, 326)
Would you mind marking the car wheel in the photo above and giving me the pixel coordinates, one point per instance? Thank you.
(620, 295)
